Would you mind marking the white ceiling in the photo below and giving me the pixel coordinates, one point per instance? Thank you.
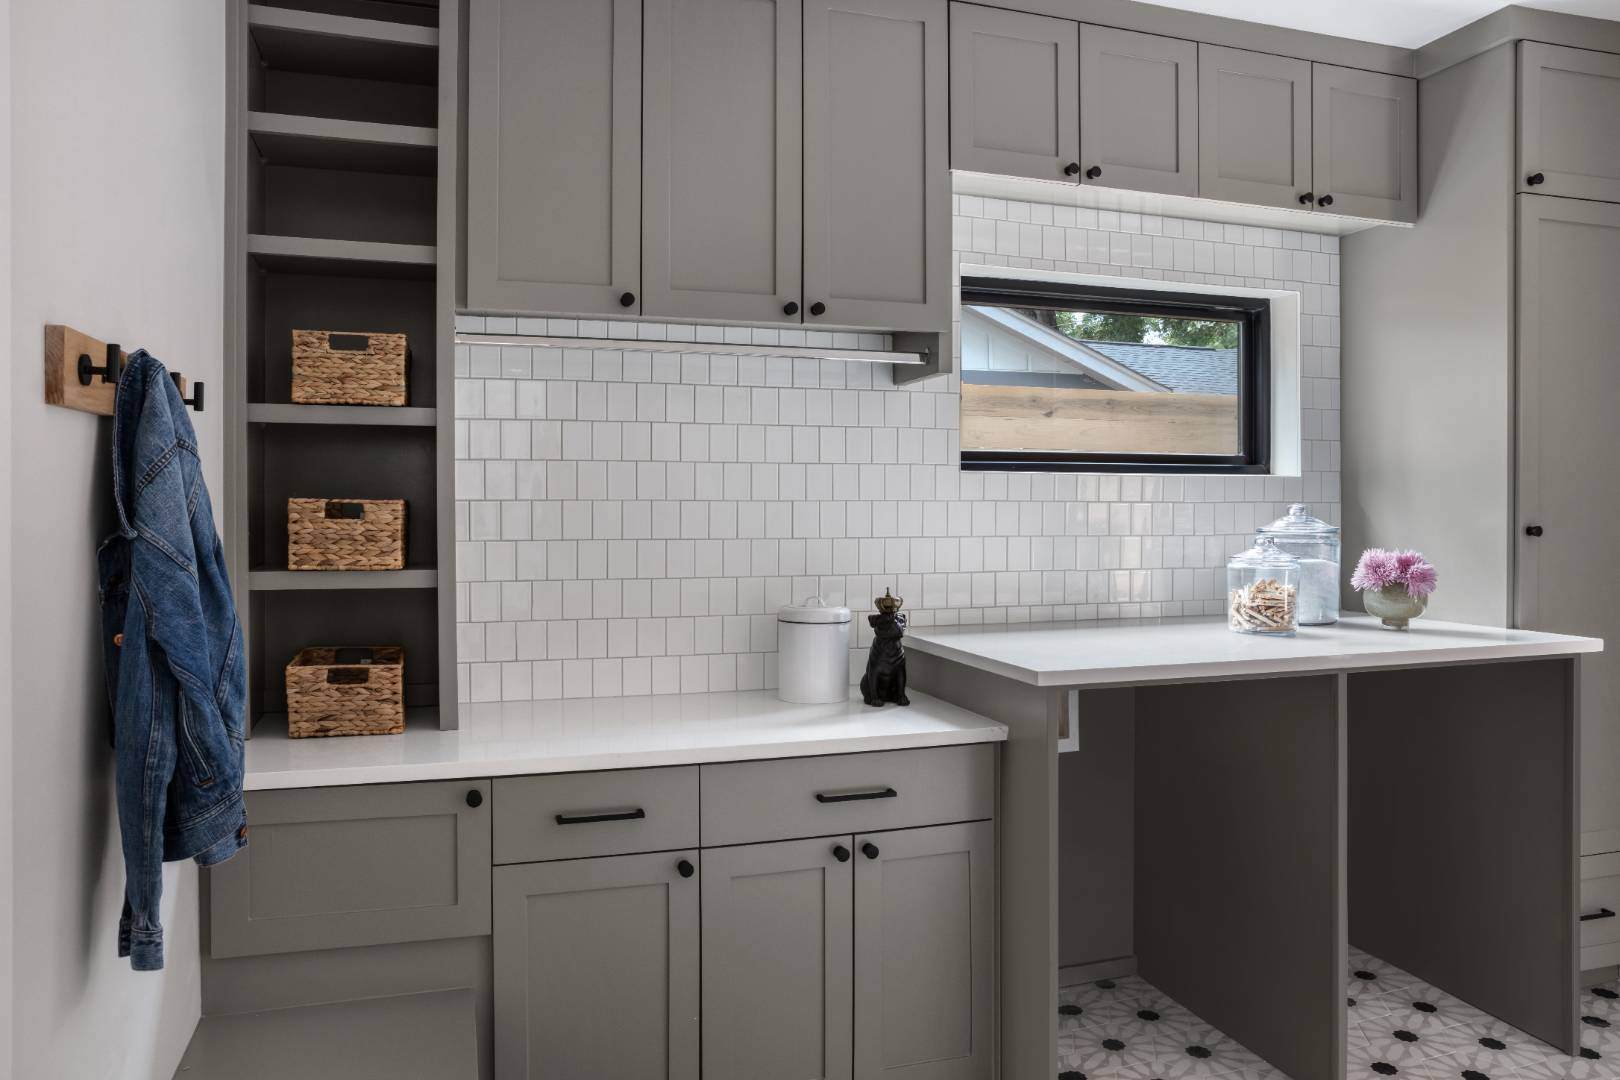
(1408, 23)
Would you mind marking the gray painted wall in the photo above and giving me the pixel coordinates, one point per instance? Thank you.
(6, 867)
(136, 258)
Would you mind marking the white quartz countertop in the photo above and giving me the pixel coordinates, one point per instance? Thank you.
(583, 734)
(1170, 650)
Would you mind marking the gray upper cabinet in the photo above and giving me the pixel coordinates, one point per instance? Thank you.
(1138, 111)
(596, 969)
(1569, 122)
(1254, 127)
(778, 926)
(722, 217)
(554, 155)
(924, 934)
(1364, 130)
(1015, 93)
(877, 184)
(349, 866)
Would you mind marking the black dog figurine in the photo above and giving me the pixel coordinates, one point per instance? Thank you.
(885, 678)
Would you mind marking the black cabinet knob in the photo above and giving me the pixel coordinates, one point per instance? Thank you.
(1326, 200)
(1532, 530)
(1536, 178)
(790, 308)
(818, 308)
(475, 798)
(841, 853)
(1306, 199)
(869, 849)
(627, 299)
(1094, 172)
(685, 868)
(1072, 169)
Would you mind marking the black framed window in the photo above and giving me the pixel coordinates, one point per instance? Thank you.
(1074, 378)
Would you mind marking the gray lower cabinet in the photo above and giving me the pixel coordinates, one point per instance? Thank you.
(554, 155)
(349, 866)
(924, 945)
(877, 182)
(1569, 122)
(1364, 139)
(596, 969)
(1015, 93)
(722, 221)
(1138, 111)
(778, 930)
(1254, 127)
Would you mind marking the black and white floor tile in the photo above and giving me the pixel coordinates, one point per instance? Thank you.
(1126, 1029)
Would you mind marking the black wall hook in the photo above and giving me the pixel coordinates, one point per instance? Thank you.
(108, 371)
(196, 398)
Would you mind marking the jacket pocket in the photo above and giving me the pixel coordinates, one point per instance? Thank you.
(230, 686)
(193, 744)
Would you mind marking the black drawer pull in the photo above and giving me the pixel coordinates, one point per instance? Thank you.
(685, 868)
(475, 798)
(841, 853)
(612, 815)
(869, 849)
(1600, 913)
(857, 796)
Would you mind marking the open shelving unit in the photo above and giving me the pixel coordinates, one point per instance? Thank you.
(340, 217)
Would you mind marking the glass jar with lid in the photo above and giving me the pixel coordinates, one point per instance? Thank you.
(1262, 588)
(1315, 544)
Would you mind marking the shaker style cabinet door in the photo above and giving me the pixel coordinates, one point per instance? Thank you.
(777, 935)
(1364, 131)
(596, 968)
(554, 156)
(877, 182)
(1138, 111)
(1569, 392)
(1569, 122)
(1015, 93)
(1254, 127)
(722, 219)
(924, 939)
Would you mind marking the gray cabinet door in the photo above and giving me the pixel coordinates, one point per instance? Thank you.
(777, 935)
(722, 220)
(553, 155)
(1569, 394)
(1015, 93)
(1138, 111)
(596, 969)
(329, 868)
(1364, 134)
(1254, 127)
(924, 941)
(877, 182)
(1569, 121)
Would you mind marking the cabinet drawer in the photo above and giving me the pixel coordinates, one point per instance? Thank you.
(749, 802)
(329, 868)
(577, 815)
(1600, 892)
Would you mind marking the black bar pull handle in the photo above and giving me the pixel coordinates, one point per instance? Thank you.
(1600, 913)
(856, 796)
(612, 815)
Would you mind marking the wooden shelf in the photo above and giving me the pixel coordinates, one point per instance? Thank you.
(345, 415)
(312, 255)
(314, 43)
(321, 580)
(319, 142)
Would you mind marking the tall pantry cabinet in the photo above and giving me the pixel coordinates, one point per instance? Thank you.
(1481, 377)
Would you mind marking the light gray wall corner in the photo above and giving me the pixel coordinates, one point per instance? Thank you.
(1428, 353)
(8, 570)
(1515, 23)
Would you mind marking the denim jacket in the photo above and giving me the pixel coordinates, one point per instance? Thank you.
(175, 672)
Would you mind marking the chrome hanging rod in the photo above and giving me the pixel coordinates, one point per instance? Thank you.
(711, 348)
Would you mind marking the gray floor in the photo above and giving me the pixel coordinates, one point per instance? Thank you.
(1126, 1029)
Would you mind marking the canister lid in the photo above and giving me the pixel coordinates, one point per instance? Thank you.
(813, 610)
(1298, 522)
(1266, 555)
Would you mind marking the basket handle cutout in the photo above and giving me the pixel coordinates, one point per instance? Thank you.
(348, 676)
(348, 342)
(348, 510)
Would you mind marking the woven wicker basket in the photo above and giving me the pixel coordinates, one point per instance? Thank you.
(345, 534)
(346, 692)
(331, 368)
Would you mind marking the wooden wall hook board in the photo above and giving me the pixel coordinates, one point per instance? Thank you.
(88, 386)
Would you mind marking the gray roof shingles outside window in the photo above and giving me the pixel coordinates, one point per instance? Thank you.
(1184, 370)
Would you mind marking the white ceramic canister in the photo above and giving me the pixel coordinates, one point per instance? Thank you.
(812, 644)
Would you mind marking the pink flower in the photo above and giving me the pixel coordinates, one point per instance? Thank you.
(1374, 570)
(1379, 569)
(1421, 578)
